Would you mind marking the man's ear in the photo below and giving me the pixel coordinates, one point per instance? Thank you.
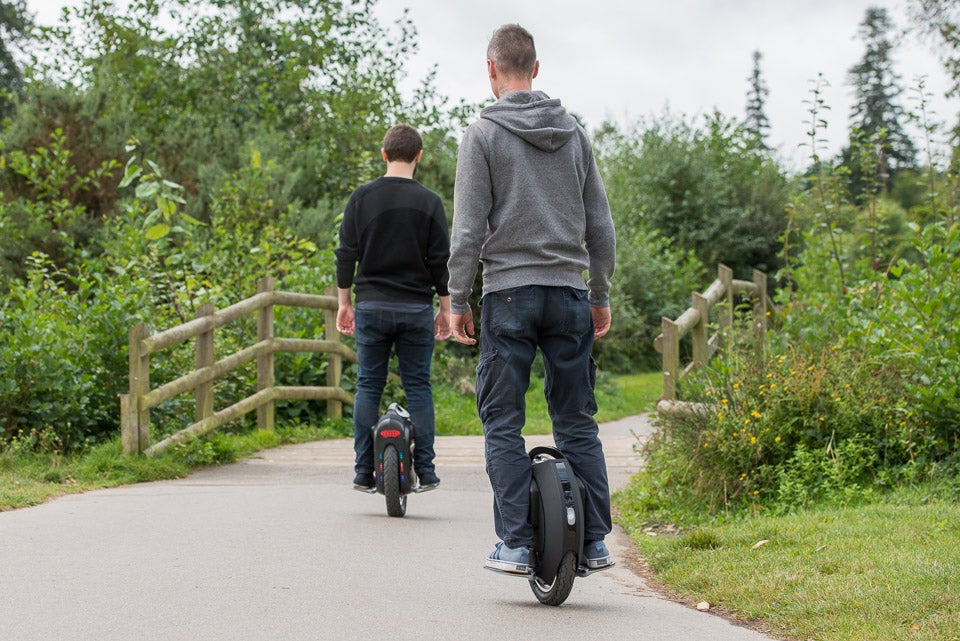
(536, 69)
(383, 154)
(491, 70)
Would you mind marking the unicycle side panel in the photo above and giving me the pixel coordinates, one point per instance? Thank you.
(556, 511)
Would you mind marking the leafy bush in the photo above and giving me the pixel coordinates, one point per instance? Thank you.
(784, 432)
(705, 188)
(62, 346)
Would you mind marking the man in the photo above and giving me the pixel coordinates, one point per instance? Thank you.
(530, 206)
(394, 235)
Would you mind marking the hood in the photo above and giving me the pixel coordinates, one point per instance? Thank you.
(533, 116)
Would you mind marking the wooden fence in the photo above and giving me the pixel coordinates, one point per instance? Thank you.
(696, 322)
(135, 406)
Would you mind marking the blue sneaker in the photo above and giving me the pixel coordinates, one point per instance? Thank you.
(596, 556)
(509, 560)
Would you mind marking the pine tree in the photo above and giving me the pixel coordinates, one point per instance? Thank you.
(757, 125)
(939, 20)
(876, 117)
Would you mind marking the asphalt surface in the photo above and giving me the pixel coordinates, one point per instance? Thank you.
(279, 547)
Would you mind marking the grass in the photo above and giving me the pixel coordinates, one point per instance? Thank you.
(617, 396)
(29, 477)
(888, 570)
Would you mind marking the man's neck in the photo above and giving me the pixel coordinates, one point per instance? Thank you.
(511, 85)
(398, 169)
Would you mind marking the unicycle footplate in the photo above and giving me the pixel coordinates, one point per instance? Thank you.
(583, 570)
(528, 575)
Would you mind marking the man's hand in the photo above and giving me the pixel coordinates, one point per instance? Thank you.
(462, 326)
(601, 321)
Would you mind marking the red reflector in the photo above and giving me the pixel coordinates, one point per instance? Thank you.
(390, 433)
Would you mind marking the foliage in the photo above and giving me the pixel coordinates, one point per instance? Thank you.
(310, 84)
(704, 189)
(62, 343)
(786, 432)
(15, 24)
(42, 207)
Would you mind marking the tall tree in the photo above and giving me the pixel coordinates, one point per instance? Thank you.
(15, 24)
(876, 116)
(757, 125)
(941, 20)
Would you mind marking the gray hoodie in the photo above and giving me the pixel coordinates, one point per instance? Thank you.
(529, 203)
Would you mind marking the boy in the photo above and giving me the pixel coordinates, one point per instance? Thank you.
(393, 251)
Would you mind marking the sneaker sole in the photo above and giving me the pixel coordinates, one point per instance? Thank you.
(598, 564)
(426, 488)
(365, 490)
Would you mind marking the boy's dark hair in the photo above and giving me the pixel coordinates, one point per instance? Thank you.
(512, 50)
(402, 143)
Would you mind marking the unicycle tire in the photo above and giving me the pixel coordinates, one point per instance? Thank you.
(558, 591)
(396, 501)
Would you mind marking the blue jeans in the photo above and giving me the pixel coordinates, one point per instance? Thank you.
(514, 323)
(378, 332)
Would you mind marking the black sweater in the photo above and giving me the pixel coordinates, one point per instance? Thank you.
(394, 242)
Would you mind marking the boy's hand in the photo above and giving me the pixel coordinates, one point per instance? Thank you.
(345, 320)
(441, 325)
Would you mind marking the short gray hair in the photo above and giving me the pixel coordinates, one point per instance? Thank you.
(512, 50)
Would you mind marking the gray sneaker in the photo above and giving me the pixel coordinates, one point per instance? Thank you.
(596, 556)
(509, 560)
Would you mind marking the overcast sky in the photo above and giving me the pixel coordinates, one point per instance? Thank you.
(626, 60)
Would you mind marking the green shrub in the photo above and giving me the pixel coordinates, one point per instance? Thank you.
(784, 432)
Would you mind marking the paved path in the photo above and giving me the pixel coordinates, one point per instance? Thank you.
(279, 548)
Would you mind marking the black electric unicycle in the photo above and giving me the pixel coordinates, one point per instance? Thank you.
(556, 512)
(393, 458)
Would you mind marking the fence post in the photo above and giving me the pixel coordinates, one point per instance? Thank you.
(725, 276)
(760, 308)
(334, 361)
(135, 421)
(203, 357)
(699, 332)
(671, 358)
(265, 413)
(129, 439)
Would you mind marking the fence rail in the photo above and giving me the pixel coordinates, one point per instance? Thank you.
(696, 321)
(135, 406)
